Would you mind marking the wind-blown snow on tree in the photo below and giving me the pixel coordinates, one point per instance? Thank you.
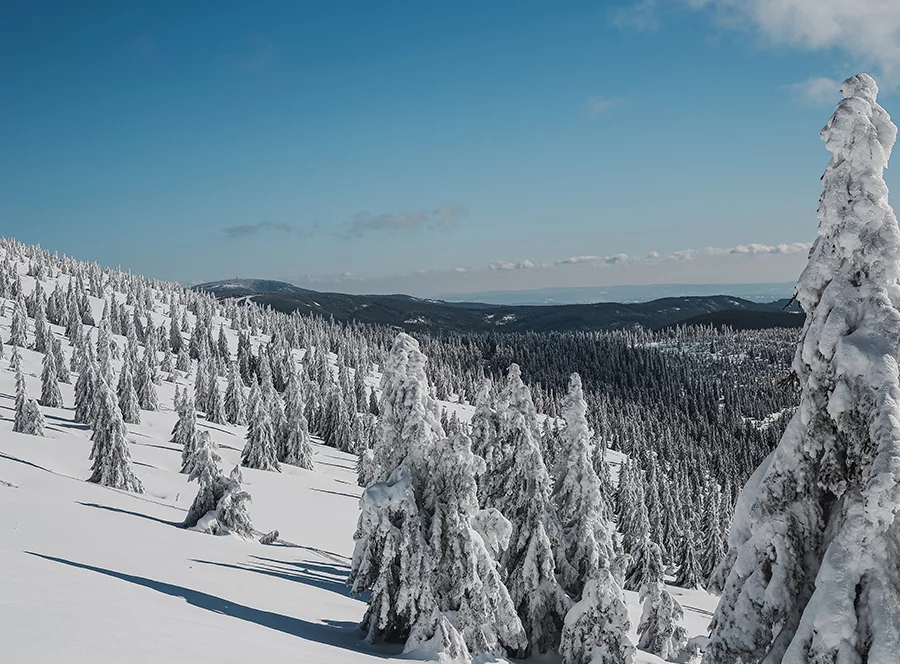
(815, 577)
(260, 450)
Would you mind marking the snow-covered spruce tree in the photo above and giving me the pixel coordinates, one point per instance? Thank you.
(32, 418)
(295, 448)
(128, 398)
(235, 402)
(467, 582)
(215, 407)
(659, 632)
(185, 431)
(596, 628)
(260, 450)
(21, 393)
(51, 397)
(484, 440)
(85, 392)
(146, 390)
(18, 325)
(529, 562)
(408, 415)
(689, 573)
(646, 566)
(712, 550)
(110, 454)
(815, 577)
(392, 557)
(587, 543)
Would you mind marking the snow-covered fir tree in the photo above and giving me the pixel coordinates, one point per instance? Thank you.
(127, 397)
(587, 543)
(529, 562)
(814, 577)
(659, 631)
(260, 450)
(235, 402)
(110, 454)
(392, 558)
(185, 431)
(51, 396)
(467, 582)
(32, 418)
(596, 627)
(295, 448)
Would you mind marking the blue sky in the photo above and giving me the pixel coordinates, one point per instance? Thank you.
(430, 147)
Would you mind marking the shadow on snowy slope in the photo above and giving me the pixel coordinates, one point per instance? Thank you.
(325, 577)
(334, 633)
(130, 513)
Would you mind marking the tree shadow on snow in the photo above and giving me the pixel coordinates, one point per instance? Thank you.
(310, 574)
(68, 424)
(120, 510)
(338, 493)
(334, 633)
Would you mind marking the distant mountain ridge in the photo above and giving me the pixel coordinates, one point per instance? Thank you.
(411, 313)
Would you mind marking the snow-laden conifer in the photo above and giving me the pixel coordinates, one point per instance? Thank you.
(815, 578)
(295, 448)
(260, 450)
(587, 543)
(128, 398)
(235, 402)
(110, 454)
(659, 631)
(51, 397)
(185, 431)
(467, 582)
(596, 627)
(529, 561)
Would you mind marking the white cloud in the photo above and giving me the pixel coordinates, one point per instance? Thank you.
(866, 30)
(505, 266)
(574, 260)
(819, 91)
(598, 104)
(642, 15)
(445, 217)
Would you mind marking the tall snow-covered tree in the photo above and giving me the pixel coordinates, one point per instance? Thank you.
(260, 450)
(21, 393)
(529, 561)
(110, 454)
(467, 581)
(51, 397)
(85, 392)
(587, 543)
(295, 448)
(235, 402)
(127, 397)
(814, 577)
(392, 557)
(185, 430)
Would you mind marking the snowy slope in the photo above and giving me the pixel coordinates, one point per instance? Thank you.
(90, 574)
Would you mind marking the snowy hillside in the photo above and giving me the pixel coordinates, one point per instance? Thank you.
(94, 574)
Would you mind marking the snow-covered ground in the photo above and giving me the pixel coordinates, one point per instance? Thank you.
(90, 574)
